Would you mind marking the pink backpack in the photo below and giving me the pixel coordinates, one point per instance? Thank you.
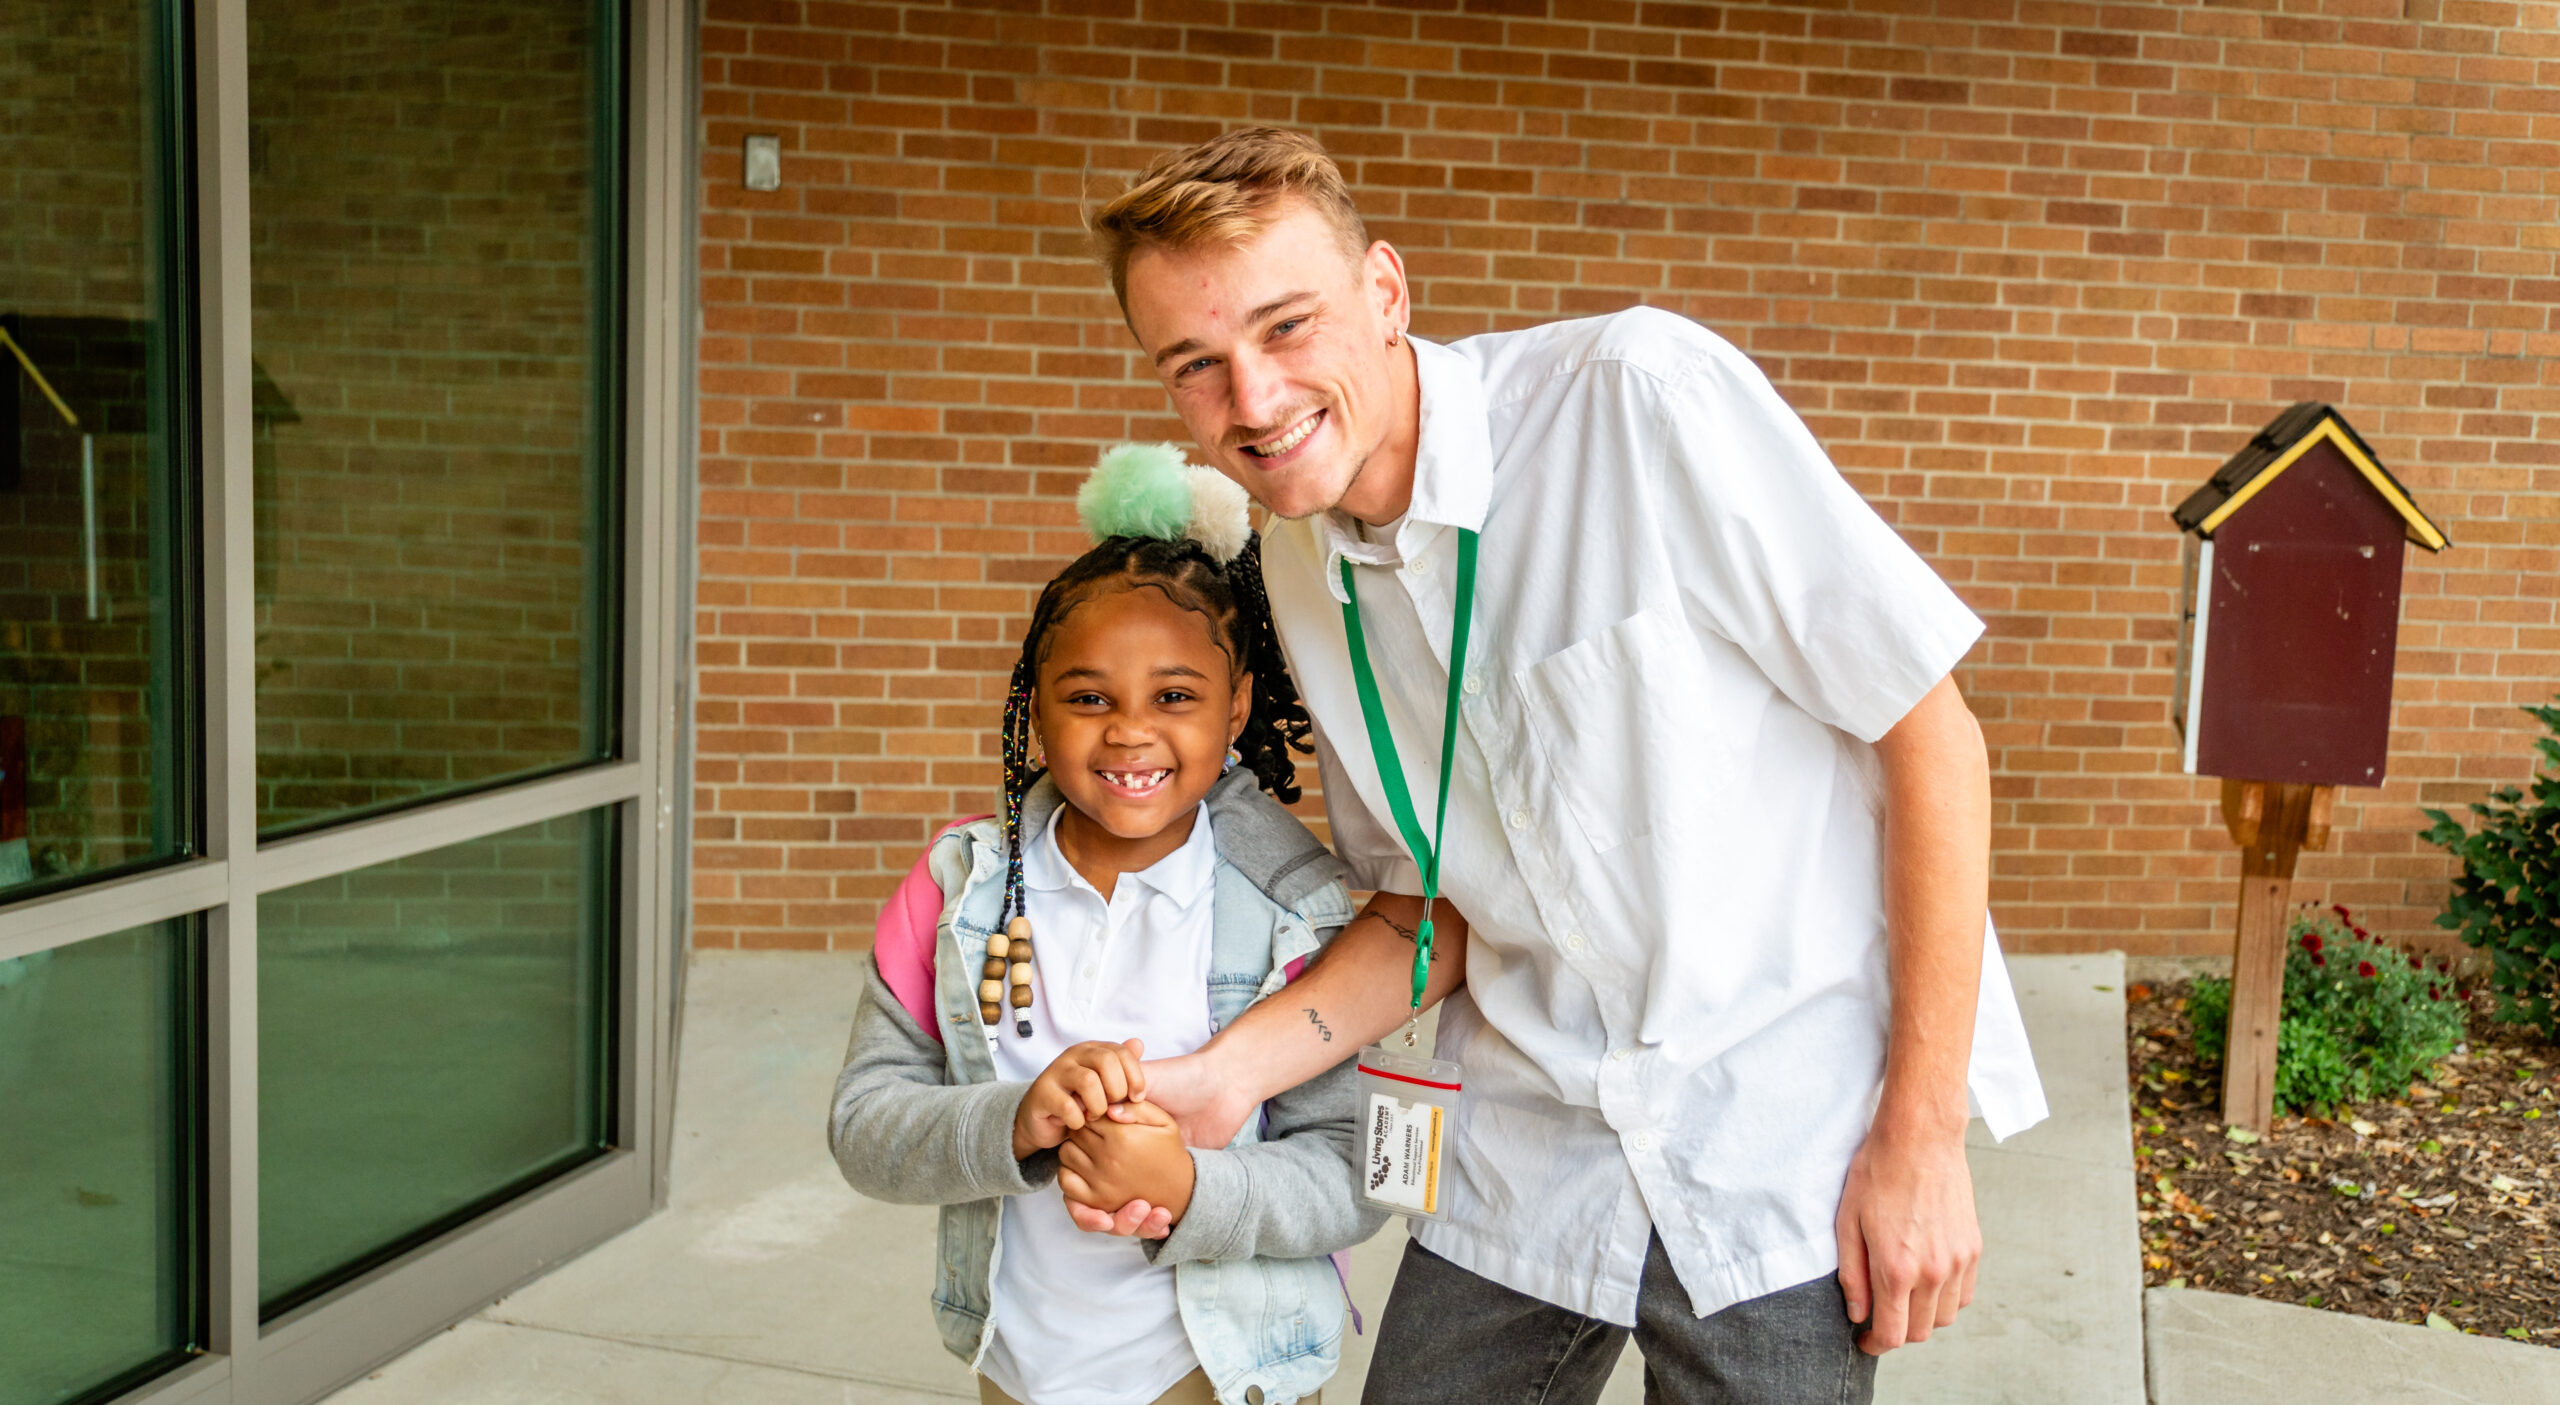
(903, 941)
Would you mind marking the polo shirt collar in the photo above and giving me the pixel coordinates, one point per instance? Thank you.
(1452, 470)
(1187, 875)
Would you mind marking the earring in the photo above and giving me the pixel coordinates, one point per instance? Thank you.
(1235, 758)
(1392, 334)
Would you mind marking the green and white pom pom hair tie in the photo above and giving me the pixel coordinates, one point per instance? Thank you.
(1150, 490)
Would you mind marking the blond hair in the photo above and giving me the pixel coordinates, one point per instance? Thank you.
(1222, 191)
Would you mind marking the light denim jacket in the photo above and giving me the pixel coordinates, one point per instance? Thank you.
(921, 1121)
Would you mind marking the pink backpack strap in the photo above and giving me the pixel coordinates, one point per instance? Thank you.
(904, 939)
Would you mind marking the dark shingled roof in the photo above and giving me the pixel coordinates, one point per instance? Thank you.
(2269, 444)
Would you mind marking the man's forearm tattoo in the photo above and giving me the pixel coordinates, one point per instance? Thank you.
(1407, 933)
(1314, 1019)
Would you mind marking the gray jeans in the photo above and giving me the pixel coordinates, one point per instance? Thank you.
(1449, 1335)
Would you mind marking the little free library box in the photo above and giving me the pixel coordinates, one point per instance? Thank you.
(2293, 606)
(2284, 689)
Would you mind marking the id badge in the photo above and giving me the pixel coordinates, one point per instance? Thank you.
(1408, 1102)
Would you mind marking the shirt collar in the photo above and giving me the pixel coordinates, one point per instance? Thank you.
(1452, 469)
(1186, 875)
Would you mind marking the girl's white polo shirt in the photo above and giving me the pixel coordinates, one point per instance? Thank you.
(1084, 1319)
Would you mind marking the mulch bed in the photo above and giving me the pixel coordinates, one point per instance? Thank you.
(2438, 1202)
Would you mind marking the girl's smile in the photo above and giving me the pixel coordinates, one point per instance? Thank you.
(1135, 785)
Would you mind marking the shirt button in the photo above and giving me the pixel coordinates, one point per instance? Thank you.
(1420, 565)
(1620, 1055)
(1573, 942)
(1519, 819)
(1644, 1141)
(1474, 685)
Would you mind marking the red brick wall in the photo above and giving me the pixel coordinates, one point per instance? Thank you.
(2029, 270)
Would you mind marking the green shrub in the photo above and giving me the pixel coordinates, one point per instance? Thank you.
(2360, 1020)
(2507, 900)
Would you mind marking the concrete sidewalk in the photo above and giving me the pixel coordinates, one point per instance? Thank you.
(2223, 1349)
(767, 1280)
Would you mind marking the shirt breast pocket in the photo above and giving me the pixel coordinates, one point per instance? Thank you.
(1624, 719)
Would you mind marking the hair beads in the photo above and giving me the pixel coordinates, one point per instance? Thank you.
(1009, 950)
(1008, 965)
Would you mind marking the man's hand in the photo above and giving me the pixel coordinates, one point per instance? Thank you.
(1208, 1101)
(1076, 1088)
(1909, 1241)
(1111, 1163)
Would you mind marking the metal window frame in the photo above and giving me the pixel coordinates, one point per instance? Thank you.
(320, 1346)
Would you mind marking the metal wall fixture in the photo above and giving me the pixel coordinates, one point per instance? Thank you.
(762, 162)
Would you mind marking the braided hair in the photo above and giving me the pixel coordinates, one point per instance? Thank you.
(1239, 615)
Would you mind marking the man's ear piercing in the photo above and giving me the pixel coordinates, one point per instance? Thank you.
(1392, 334)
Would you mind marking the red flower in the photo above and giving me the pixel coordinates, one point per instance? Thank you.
(2311, 943)
(2341, 910)
(2361, 932)
(2319, 960)
(2365, 969)
(2435, 993)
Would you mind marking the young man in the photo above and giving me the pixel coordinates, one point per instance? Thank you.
(1716, 852)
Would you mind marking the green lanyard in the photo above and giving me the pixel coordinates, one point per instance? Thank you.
(1382, 742)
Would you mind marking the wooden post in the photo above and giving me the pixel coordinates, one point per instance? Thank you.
(2272, 824)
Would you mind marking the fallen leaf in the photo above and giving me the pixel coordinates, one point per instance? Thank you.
(2240, 1134)
(2441, 1323)
(2363, 1128)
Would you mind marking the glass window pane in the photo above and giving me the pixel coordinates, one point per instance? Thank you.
(432, 250)
(90, 717)
(432, 1038)
(99, 1071)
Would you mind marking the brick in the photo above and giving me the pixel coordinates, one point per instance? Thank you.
(2028, 283)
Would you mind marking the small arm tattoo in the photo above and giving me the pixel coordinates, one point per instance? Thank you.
(1313, 1019)
(1407, 933)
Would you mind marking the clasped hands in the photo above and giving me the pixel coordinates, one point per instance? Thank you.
(1122, 1164)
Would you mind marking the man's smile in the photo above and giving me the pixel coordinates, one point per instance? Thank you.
(1288, 440)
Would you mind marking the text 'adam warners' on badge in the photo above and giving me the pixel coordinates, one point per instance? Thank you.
(1404, 1129)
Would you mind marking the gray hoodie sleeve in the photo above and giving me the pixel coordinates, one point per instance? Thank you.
(1294, 1195)
(901, 1134)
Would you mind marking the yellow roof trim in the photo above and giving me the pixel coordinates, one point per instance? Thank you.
(2327, 430)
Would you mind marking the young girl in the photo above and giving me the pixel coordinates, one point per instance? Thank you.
(1140, 891)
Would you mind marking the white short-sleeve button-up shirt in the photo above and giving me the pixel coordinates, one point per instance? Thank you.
(1664, 824)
